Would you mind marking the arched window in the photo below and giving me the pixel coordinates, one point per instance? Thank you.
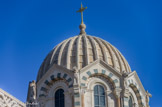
(130, 102)
(99, 96)
(59, 98)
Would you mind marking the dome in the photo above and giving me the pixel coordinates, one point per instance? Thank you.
(81, 50)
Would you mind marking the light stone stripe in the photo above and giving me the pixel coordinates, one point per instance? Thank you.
(137, 91)
(119, 59)
(102, 49)
(61, 51)
(47, 83)
(55, 49)
(110, 75)
(86, 50)
(76, 99)
(110, 50)
(93, 44)
(127, 65)
(123, 60)
(69, 52)
(78, 52)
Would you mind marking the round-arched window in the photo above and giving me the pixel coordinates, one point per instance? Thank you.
(59, 98)
(130, 101)
(99, 96)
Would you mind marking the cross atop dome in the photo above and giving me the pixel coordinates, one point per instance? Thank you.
(82, 26)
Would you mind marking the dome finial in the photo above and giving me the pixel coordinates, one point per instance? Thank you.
(82, 26)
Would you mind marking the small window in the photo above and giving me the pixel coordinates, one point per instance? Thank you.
(130, 102)
(99, 96)
(59, 98)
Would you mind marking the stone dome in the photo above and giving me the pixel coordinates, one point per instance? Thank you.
(81, 50)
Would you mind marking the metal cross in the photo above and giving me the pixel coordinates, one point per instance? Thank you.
(81, 11)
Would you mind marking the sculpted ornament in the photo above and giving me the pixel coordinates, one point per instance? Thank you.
(76, 76)
(148, 95)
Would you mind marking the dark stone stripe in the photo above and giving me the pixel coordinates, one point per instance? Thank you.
(47, 83)
(65, 75)
(95, 70)
(42, 95)
(84, 78)
(43, 89)
(53, 78)
(82, 84)
(89, 73)
(110, 75)
(70, 86)
(77, 103)
(59, 75)
(103, 71)
(76, 95)
(115, 81)
(69, 80)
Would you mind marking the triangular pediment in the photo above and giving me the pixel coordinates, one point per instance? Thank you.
(99, 64)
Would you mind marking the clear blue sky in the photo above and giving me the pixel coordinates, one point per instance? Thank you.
(29, 29)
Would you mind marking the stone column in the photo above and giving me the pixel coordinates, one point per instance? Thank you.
(82, 99)
(117, 92)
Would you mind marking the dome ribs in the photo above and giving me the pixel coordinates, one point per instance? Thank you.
(102, 49)
(55, 49)
(118, 58)
(69, 52)
(78, 52)
(64, 54)
(94, 49)
(125, 63)
(86, 46)
(125, 66)
(110, 51)
(117, 67)
(47, 62)
(73, 54)
(61, 51)
(90, 50)
(82, 50)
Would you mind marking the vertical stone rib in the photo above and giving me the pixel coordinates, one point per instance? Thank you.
(118, 57)
(55, 49)
(47, 62)
(102, 49)
(125, 63)
(117, 62)
(61, 50)
(69, 52)
(95, 50)
(110, 50)
(86, 50)
(78, 52)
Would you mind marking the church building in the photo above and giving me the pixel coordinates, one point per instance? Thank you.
(85, 71)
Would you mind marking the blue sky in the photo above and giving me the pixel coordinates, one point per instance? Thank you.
(29, 29)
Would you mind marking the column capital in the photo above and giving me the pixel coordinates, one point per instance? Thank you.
(117, 92)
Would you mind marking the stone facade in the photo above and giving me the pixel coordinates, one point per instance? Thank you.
(7, 100)
(79, 64)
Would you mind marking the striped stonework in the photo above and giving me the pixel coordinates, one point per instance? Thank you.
(77, 98)
(52, 79)
(137, 92)
(106, 74)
